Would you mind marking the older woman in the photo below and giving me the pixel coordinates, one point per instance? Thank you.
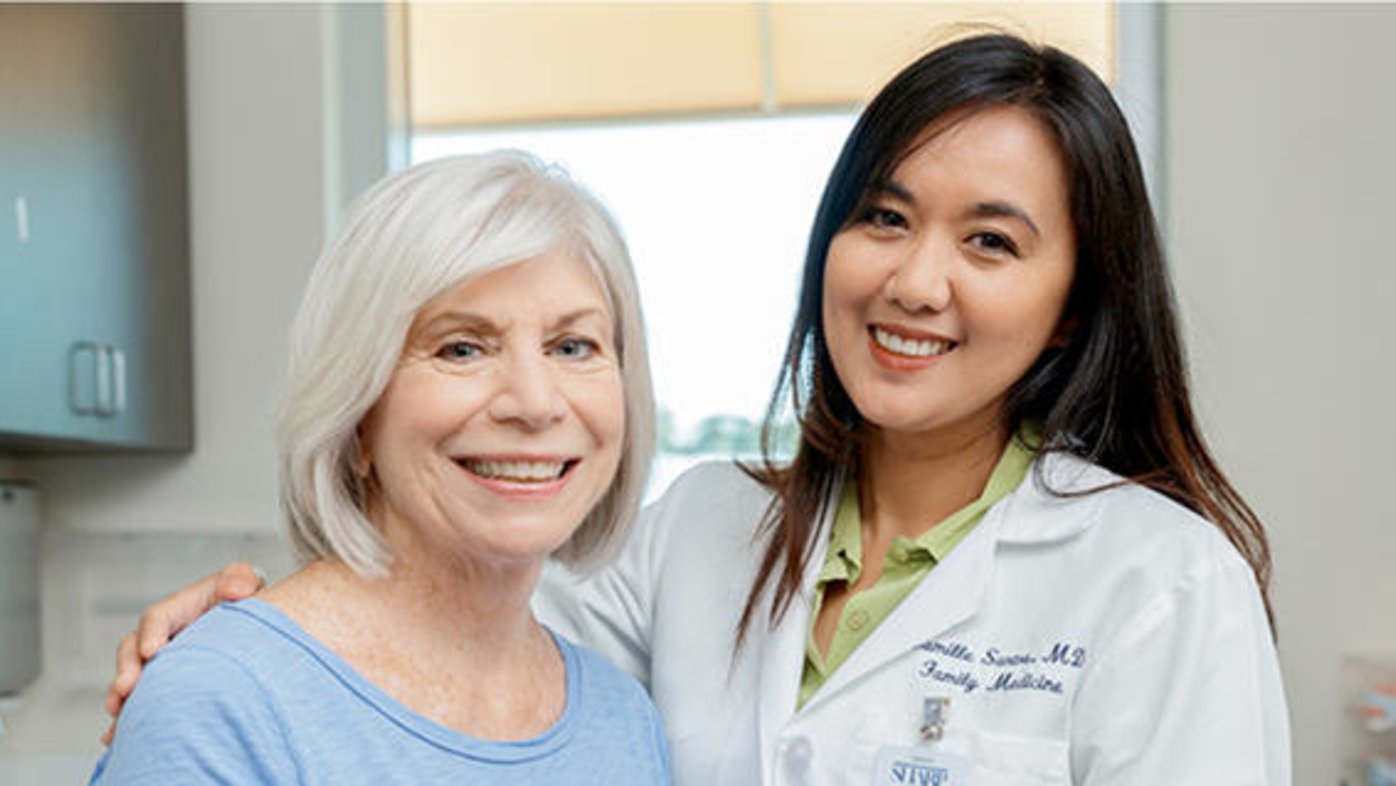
(468, 395)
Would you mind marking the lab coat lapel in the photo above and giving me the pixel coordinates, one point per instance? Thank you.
(782, 652)
(951, 593)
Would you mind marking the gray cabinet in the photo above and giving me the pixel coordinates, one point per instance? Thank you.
(94, 273)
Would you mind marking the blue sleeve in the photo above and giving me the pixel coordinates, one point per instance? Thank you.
(625, 740)
(661, 741)
(198, 717)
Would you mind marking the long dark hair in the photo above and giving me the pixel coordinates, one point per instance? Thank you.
(1116, 394)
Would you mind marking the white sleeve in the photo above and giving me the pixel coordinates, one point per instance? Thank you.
(1189, 692)
(611, 609)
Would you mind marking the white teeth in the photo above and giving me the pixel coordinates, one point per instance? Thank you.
(909, 346)
(527, 471)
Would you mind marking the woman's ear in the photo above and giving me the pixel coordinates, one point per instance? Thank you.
(1066, 328)
(363, 455)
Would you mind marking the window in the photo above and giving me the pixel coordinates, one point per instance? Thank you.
(708, 130)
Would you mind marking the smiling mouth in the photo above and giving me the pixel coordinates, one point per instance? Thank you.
(910, 347)
(517, 471)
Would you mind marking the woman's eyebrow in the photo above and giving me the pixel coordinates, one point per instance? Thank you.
(456, 320)
(1003, 210)
(580, 315)
(893, 189)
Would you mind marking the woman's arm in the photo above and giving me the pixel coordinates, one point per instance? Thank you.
(1190, 693)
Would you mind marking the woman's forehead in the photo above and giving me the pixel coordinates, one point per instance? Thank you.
(548, 284)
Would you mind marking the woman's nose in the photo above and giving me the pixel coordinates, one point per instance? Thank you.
(529, 394)
(921, 279)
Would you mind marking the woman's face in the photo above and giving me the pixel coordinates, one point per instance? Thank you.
(944, 290)
(502, 426)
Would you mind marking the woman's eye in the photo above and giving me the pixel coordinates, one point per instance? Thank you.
(884, 218)
(576, 348)
(994, 243)
(459, 350)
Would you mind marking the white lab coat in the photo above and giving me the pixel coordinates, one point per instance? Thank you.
(1113, 638)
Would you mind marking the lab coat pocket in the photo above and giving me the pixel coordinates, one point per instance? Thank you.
(1019, 760)
(993, 759)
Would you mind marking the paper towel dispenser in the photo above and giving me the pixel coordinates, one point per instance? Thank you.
(19, 586)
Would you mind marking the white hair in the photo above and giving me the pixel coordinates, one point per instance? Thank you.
(411, 237)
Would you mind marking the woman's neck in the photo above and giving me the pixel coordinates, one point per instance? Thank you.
(909, 482)
(452, 640)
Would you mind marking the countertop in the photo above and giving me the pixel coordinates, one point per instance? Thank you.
(51, 734)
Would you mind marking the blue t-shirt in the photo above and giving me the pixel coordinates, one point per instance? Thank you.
(246, 696)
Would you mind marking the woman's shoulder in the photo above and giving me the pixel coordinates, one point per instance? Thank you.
(604, 683)
(201, 707)
(712, 504)
(224, 659)
(724, 478)
(1068, 497)
(614, 710)
(248, 632)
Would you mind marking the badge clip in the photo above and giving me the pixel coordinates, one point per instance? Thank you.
(933, 712)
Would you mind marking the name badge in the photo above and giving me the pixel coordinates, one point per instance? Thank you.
(898, 766)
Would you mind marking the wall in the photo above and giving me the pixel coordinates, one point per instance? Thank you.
(276, 145)
(1281, 183)
(287, 123)
(261, 161)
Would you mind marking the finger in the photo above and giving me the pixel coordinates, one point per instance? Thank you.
(114, 701)
(169, 616)
(109, 733)
(238, 581)
(128, 668)
(163, 620)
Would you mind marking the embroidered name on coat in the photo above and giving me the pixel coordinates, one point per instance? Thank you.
(996, 669)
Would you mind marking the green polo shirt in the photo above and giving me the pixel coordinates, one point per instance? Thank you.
(907, 562)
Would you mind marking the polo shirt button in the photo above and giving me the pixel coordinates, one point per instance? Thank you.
(857, 619)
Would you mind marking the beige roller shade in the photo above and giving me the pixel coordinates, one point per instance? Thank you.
(841, 53)
(516, 62)
(520, 62)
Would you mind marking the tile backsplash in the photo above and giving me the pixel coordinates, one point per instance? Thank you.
(95, 585)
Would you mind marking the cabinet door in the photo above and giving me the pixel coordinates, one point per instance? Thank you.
(50, 302)
(138, 187)
(94, 323)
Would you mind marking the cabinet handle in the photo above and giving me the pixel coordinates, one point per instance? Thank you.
(75, 354)
(117, 366)
(108, 365)
(103, 408)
